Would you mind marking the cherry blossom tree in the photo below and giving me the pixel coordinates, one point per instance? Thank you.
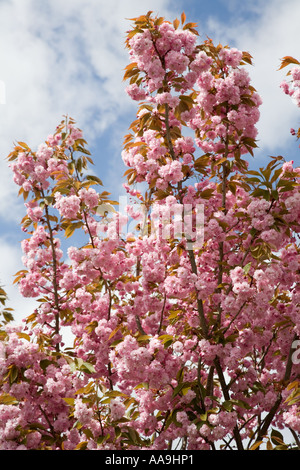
(180, 341)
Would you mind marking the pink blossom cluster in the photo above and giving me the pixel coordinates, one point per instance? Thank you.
(30, 171)
(34, 170)
(224, 102)
(229, 106)
(68, 206)
(171, 342)
(37, 258)
(38, 408)
(293, 88)
(170, 51)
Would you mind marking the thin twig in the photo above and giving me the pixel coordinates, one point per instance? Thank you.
(162, 314)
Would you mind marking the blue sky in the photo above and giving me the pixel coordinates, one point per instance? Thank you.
(68, 58)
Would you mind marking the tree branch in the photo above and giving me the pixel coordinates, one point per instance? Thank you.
(268, 419)
(225, 391)
(202, 318)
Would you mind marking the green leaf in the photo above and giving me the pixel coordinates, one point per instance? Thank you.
(131, 70)
(254, 179)
(24, 145)
(204, 160)
(115, 394)
(232, 186)
(132, 436)
(8, 316)
(207, 193)
(105, 438)
(277, 437)
(81, 445)
(242, 404)
(181, 388)
(24, 336)
(95, 179)
(259, 192)
(69, 401)
(288, 60)
(79, 148)
(256, 445)
(166, 339)
(176, 23)
(231, 338)
(228, 405)
(44, 363)
(87, 368)
(276, 175)
(48, 200)
(13, 374)
(70, 229)
(254, 172)
(246, 268)
(6, 399)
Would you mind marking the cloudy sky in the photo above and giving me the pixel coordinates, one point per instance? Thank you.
(68, 57)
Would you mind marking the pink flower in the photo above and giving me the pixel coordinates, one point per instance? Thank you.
(141, 43)
(155, 70)
(172, 171)
(68, 206)
(117, 409)
(295, 73)
(287, 167)
(89, 196)
(82, 412)
(285, 87)
(201, 62)
(231, 57)
(167, 98)
(43, 153)
(34, 211)
(176, 61)
(135, 92)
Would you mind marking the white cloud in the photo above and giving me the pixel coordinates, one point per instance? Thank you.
(10, 256)
(64, 57)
